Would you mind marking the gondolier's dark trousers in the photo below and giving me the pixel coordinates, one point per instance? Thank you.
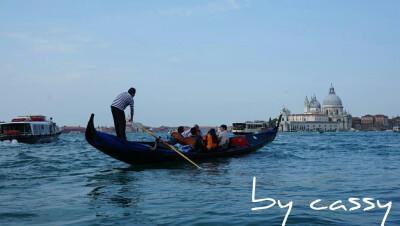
(119, 122)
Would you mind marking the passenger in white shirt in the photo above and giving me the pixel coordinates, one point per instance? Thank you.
(223, 136)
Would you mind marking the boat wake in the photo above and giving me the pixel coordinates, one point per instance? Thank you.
(9, 142)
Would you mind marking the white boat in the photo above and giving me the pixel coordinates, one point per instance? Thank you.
(249, 127)
(30, 129)
(396, 129)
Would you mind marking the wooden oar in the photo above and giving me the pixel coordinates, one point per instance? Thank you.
(170, 146)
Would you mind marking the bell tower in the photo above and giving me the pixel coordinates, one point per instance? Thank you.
(306, 106)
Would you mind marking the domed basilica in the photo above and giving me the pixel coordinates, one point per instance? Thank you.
(332, 117)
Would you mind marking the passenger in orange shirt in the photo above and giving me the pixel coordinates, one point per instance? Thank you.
(211, 140)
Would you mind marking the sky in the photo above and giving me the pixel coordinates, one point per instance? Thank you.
(208, 62)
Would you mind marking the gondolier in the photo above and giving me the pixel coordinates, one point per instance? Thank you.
(117, 109)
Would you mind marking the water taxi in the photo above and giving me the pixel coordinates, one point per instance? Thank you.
(30, 129)
(396, 129)
(249, 127)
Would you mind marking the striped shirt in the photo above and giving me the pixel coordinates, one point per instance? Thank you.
(122, 101)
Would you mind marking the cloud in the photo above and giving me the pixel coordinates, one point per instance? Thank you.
(183, 12)
(56, 40)
(71, 77)
(174, 60)
(16, 35)
(56, 47)
(58, 30)
(41, 44)
(81, 38)
(209, 8)
(104, 45)
(223, 6)
(24, 37)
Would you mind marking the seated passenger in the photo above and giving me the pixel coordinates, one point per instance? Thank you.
(172, 140)
(223, 137)
(198, 130)
(195, 134)
(187, 133)
(181, 129)
(211, 140)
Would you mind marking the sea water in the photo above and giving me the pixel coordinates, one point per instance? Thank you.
(69, 182)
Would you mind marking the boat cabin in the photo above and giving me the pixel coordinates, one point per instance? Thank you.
(249, 127)
(29, 129)
(28, 125)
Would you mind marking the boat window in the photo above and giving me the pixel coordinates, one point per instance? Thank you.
(35, 128)
(22, 128)
(238, 126)
(28, 128)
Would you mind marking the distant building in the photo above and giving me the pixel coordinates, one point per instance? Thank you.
(106, 129)
(356, 123)
(367, 120)
(73, 129)
(373, 122)
(332, 117)
(395, 121)
(382, 121)
(161, 129)
(134, 128)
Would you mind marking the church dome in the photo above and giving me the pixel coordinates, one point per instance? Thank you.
(315, 104)
(332, 98)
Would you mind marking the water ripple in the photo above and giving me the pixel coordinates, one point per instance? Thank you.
(40, 183)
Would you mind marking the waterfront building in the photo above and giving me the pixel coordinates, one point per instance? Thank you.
(367, 120)
(73, 129)
(372, 122)
(382, 121)
(103, 129)
(134, 128)
(394, 121)
(356, 121)
(332, 116)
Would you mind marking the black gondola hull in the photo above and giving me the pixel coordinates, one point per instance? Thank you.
(138, 153)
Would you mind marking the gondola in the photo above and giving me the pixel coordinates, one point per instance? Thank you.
(138, 153)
